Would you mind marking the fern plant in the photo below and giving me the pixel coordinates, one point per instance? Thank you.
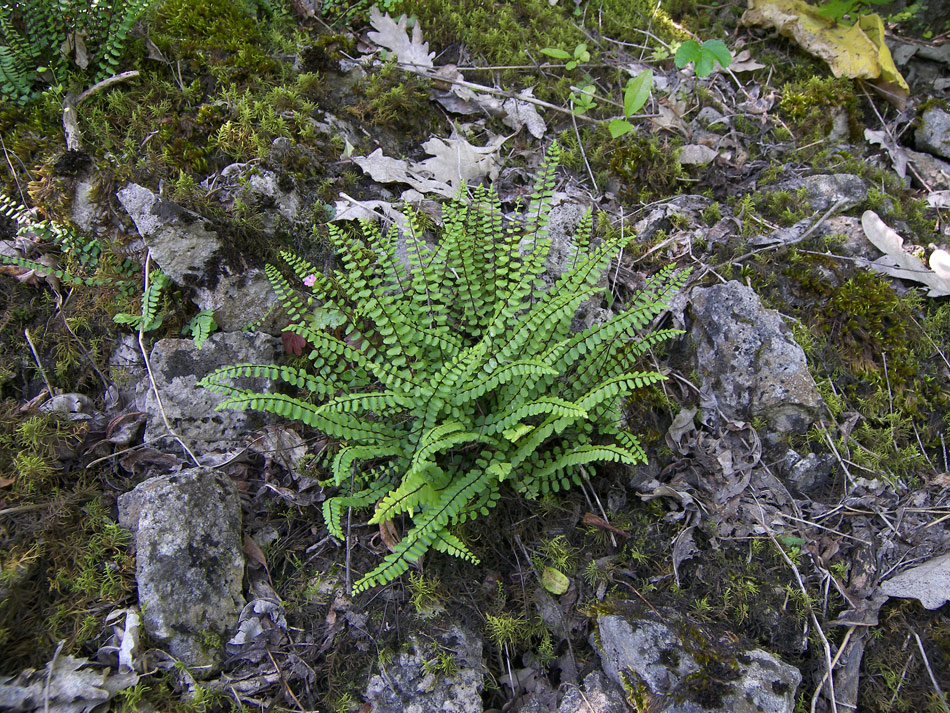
(450, 371)
(81, 253)
(38, 37)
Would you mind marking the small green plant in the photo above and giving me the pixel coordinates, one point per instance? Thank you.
(582, 97)
(80, 252)
(504, 629)
(149, 318)
(200, 327)
(704, 56)
(580, 56)
(40, 39)
(455, 373)
(635, 95)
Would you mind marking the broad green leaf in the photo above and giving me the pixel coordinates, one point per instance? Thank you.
(636, 93)
(718, 49)
(687, 52)
(556, 53)
(554, 581)
(619, 127)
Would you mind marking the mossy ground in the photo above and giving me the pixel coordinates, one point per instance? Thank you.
(221, 91)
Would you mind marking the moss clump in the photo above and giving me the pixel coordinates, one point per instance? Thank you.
(395, 100)
(809, 106)
(648, 167)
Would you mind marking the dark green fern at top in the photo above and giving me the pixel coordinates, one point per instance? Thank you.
(453, 371)
(54, 34)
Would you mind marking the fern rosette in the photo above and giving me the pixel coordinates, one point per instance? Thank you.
(450, 371)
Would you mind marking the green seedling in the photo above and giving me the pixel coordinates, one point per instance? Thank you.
(580, 56)
(635, 95)
(582, 98)
(703, 56)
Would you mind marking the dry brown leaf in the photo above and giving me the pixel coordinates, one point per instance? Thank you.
(929, 583)
(252, 550)
(387, 531)
(594, 521)
(899, 263)
(412, 53)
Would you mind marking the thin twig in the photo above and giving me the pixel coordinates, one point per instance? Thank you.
(49, 676)
(6, 155)
(36, 358)
(580, 145)
(613, 540)
(829, 663)
(151, 376)
(933, 679)
(61, 308)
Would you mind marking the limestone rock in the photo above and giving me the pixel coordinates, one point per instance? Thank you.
(600, 695)
(412, 686)
(933, 133)
(748, 360)
(188, 562)
(824, 190)
(190, 252)
(177, 365)
(653, 661)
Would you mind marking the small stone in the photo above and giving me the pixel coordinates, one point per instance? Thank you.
(178, 365)
(933, 133)
(748, 360)
(188, 562)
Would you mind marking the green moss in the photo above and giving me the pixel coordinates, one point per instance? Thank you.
(809, 106)
(396, 100)
(648, 167)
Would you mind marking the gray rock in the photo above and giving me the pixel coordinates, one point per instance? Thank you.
(823, 191)
(177, 365)
(708, 116)
(562, 230)
(600, 695)
(808, 474)
(933, 133)
(936, 173)
(410, 684)
(190, 252)
(258, 188)
(654, 664)
(85, 213)
(748, 360)
(188, 562)
(181, 242)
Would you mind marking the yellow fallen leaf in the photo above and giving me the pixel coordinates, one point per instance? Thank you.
(857, 51)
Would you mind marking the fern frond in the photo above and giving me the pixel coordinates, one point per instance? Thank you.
(550, 405)
(333, 507)
(430, 524)
(338, 425)
(347, 456)
(301, 378)
(448, 543)
(452, 370)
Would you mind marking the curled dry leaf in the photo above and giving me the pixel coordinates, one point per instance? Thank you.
(393, 36)
(857, 51)
(899, 263)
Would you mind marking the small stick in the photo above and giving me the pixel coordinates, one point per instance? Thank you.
(580, 145)
(151, 377)
(49, 676)
(613, 540)
(36, 358)
(933, 679)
